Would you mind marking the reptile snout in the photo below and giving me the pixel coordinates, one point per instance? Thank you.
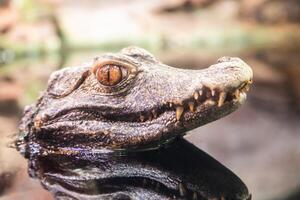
(232, 76)
(235, 71)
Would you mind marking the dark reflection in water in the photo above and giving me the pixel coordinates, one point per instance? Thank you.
(179, 171)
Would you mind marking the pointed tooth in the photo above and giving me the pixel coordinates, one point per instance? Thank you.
(154, 113)
(247, 88)
(179, 111)
(210, 102)
(191, 106)
(142, 118)
(171, 104)
(181, 189)
(243, 90)
(196, 95)
(150, 116)
(195, 196)
(222, 98)
(242, 97)
(213, 93)
(237, 93)
(200, 92)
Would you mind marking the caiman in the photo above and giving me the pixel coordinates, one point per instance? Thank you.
(130, 100)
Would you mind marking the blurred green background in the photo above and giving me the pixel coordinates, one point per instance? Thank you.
(260, 142)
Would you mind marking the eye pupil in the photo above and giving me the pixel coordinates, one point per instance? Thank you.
(109, 75)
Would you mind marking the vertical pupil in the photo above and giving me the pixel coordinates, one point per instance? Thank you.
(109, 75)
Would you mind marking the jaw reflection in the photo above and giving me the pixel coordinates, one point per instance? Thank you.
(180, 171)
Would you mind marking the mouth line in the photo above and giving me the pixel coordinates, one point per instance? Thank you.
(208, 97)
(204, 96)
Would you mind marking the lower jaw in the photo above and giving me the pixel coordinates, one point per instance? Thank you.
(78, 143)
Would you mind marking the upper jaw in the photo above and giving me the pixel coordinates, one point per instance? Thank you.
(234, 78)
(221, 85)
(228, 74)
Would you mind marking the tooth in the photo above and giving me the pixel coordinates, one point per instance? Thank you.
(142, 118)
(247, 88)
(237, 93)
(195, 196)
(171, 105)
(154, 113)
(243, 90)
(181, 189)
(242, 85)
(200, 92)
(243, 97)
(210, 102)
(191, 106)
(222, 98)
(150, 116)
(196, 95)
(179, 111)
(213, 93)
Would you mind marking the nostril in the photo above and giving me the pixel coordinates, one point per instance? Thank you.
(227, 59)
(224, 59)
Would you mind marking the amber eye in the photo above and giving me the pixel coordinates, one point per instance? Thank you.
(110, 75)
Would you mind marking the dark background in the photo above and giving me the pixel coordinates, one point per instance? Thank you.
(260, 142)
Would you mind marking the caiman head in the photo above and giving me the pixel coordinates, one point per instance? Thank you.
(131, 100)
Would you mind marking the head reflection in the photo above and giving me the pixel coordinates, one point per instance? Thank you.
(179, 171)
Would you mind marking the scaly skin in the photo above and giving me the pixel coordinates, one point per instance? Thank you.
(153, 104)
